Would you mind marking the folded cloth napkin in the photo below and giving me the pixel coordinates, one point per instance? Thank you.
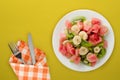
(39, 71)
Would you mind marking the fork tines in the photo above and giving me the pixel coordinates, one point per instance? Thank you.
(14, 49)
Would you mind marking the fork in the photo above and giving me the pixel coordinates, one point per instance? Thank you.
(15, 51)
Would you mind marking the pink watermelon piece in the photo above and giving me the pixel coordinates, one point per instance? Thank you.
(105, 45)
(95, 21)
(103, 30)
(62, 37)
(93, 63)
(63, 49)
(92, 57)
(72, 51)
(68, 55)
(94, 39)
(95, 28)
(86, 28)
(68, 24)
(80, 25)
(69, 45)
(70, 48)
(89, 31)
(77, 52)
(75, 59)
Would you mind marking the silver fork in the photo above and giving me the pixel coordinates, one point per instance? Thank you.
(15, 51)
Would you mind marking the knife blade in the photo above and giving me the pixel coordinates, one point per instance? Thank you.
(30, 44)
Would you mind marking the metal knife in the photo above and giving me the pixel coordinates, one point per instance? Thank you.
(32, 53)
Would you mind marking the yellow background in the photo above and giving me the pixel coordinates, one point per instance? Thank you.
(18, 17)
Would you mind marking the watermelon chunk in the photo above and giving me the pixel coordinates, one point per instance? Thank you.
(68, 55)
(86, 28)
(75, 59)
(103, 30)
(105, 44)
(70, 48)
(68, 24)
(94, 39)
(63, 37)
(80, 25)
(77, 52)
(62, 49)
(92, 57)
(93, 63)
(95, 21)
(95, 28)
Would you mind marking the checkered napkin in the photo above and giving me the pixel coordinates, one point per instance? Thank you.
(39, 71)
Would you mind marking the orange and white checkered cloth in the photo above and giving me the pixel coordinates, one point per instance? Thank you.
(39, 71)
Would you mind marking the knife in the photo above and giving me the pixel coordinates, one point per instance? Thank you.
(30, 44)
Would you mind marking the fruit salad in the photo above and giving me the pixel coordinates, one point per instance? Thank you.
(83, 40)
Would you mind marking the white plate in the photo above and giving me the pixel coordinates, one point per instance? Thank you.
(60, 27)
